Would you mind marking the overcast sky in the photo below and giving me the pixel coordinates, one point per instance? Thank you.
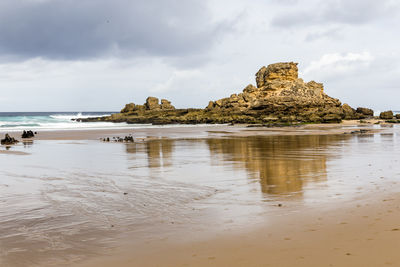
(92, 55)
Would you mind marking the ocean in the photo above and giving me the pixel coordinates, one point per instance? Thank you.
(16, 121)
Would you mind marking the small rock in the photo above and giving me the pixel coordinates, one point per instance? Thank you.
(27, 134)
(8, 140)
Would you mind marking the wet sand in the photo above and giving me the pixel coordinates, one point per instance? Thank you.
(201, 131)
(360, 233)
(203, 196)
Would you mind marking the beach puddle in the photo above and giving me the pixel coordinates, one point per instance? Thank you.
(64, 202)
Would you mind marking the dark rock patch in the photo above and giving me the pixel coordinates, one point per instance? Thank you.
(8, 140)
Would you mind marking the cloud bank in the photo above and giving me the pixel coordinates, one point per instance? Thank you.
(86, 29)
(92, 55)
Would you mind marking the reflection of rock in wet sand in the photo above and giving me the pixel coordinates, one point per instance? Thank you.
(159, 152)
(282, 163)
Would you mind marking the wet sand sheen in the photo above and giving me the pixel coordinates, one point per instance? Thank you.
(69, 202)
(359, 234)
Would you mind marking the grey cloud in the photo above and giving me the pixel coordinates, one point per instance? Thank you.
(284, 2)
(323, 34)
(70, 29)
(352, 12)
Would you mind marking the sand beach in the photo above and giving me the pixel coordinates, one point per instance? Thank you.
(204, 195)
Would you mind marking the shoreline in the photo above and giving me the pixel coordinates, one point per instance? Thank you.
(197, 131)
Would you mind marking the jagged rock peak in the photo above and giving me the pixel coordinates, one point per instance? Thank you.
(152, 103)
(285, 71)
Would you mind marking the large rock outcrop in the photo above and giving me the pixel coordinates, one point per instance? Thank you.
(281, 95)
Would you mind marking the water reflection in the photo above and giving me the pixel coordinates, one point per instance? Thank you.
(159, 152)
(280, 164)
(283, 164)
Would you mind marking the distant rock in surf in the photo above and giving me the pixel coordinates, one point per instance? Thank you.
(27, 134)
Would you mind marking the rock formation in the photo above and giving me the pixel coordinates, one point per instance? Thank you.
(27, 134)
(279, 97)
(152, 103)
(386, 115)
(8, 140)
(349, 112)
(365, 111)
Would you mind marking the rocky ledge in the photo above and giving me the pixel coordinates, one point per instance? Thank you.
(279, 96)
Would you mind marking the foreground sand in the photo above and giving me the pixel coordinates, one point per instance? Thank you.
(365, 232)
(361, 233)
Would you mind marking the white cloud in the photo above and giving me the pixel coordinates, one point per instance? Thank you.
(339, 63)
(179, 79)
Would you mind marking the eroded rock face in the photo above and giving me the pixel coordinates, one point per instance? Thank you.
(128, 108)
(349, 112)
(152, 103)
(166, 105)
(278, 71)
(282, 95)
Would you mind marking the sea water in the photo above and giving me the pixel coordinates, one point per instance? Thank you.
(16, 121)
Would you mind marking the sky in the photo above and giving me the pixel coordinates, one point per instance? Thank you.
(98, 55)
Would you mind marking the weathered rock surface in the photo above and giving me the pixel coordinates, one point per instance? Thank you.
(152, 103)
(279, 97)
(386, 115)
(166, 105)
(349, 112)
(365, 111)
